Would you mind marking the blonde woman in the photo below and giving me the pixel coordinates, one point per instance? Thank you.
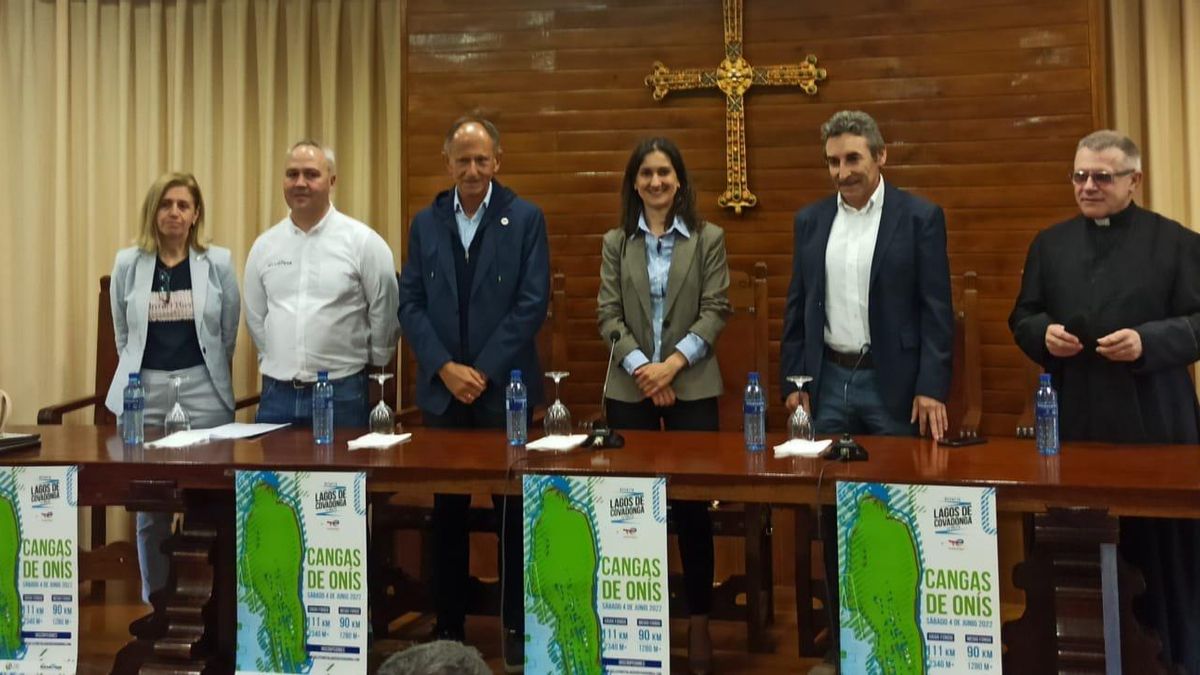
(175, 308)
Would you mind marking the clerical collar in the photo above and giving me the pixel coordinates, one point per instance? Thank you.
(1120, 218)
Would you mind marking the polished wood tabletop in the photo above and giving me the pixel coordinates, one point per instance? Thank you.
(1127, 479)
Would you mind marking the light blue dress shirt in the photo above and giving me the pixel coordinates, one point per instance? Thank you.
(468, 226)
(658, 265)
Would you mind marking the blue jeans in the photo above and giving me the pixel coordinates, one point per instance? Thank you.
(849, 401)
(282, 402)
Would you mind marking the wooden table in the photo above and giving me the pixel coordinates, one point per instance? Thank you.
(1075, 498)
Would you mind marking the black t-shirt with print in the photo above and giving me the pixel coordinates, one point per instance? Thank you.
(171, 342)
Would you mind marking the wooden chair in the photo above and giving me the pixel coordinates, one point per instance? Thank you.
(117, 560)
(741, 349)
(965, 410)
(965, 407)
(394, 591)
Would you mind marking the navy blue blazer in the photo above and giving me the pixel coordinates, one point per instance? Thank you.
(510, 293)
(909, 308)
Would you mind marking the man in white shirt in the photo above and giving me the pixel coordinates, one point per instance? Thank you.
(868, 312)
(320, 295)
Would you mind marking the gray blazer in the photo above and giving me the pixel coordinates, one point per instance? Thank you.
(696, 302)
(214, 296)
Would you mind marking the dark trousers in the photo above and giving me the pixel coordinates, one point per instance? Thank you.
(282, 402)
(693, 524)
(451, 535)
(848, 401)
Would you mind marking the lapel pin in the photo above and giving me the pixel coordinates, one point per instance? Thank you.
(504, 220)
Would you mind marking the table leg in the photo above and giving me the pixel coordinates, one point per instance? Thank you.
(1078, 600)
(194, 627)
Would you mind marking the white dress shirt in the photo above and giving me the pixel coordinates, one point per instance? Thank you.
(848, 258)
(321, 300)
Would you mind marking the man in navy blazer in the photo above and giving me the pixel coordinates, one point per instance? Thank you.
(473, 294)
(868, 312)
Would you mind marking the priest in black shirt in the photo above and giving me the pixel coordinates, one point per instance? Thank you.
(1110, 307)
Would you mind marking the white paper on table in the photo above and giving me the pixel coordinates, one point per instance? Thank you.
(181, 439)
(374, 441)
(241, 430)
(798, 447)
(557, 443)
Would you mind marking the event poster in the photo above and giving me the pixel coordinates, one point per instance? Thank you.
(39, 564)
(596, 575)
(919, 587)
(301, 572)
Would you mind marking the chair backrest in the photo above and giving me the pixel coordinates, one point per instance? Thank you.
(965, 407)
(106, 354)
(742, 346)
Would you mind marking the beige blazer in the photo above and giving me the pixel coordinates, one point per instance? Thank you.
(696, 302)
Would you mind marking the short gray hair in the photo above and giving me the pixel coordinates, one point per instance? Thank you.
(324, 149)
(443, 657)
(1099, 141)
(854, 122)
(473, 118)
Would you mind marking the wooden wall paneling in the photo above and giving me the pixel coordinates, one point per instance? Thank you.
(981, 102)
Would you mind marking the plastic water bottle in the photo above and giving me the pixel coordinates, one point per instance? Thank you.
(1046, 423)
(515, 401)
(322, 409)
(133, 415)
(755, 408)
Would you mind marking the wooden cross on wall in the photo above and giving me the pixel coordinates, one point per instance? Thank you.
(734, 77)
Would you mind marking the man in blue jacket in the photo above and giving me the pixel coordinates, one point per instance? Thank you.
(473, 295)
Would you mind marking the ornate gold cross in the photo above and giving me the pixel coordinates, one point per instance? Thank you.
(734, 76)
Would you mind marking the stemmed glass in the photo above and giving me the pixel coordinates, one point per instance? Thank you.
(800, 423)
(383, 420)
(177, 418)
(558, 418)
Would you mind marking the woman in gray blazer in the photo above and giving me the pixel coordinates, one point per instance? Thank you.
(663, 284)
(175, 308)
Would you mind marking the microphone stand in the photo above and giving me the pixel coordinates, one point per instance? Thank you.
(604, 436)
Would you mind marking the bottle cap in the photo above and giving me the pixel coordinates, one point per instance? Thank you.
(753, 376)
(515, 374)
(322, 374)
(135, 377)
(1044, 378)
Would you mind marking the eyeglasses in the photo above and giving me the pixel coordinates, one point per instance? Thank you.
(164, 285)
(1099, 178)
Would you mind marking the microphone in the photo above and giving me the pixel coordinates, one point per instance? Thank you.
(602, 435)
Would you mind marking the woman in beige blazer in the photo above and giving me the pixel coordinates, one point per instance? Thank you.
(663, 284)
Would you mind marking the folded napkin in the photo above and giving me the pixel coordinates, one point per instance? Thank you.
(181, 439)
(374, 441)
(798, 447)
(557, 443)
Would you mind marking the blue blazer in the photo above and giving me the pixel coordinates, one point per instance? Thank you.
(510, 293)
(214, 296)
(909, 307)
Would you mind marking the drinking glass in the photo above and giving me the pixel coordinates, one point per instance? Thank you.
(177, 418)
(558, 418)
(800, 423)
(383, 420)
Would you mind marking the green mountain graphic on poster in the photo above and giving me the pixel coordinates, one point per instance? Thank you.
(917, 587)
(595, 551)
(270, 559)
(885, 605)
(562, 574)
(12, 646)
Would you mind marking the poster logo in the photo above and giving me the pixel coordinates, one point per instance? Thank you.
(626, 505)
(329, 499)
